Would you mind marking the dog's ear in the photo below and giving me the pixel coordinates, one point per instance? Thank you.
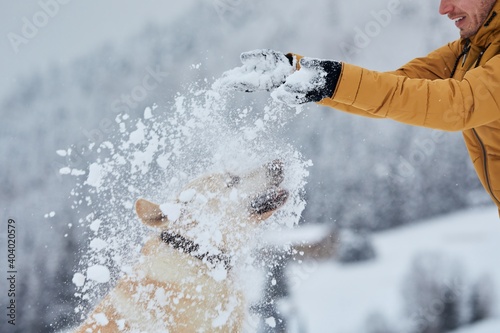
(150, 213)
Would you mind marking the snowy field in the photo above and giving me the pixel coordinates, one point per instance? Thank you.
(356, 291)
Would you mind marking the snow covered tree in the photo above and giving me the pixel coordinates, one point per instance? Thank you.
(481, 300)
(434, 294)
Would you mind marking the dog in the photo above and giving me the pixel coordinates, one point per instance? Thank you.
(185, 278)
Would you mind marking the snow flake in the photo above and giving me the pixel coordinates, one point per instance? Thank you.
(96, 174)
(187, 195)
(148, 114)
(97, 244)
(101, 319)
(271, 322)
(94, 226)
(98, 273)
(171, 210)
(78, 279)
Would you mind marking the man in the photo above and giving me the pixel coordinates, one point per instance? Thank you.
(454, 88)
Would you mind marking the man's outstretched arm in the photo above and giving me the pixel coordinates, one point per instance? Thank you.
(445, 104)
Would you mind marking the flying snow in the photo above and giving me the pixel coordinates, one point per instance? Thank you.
(98, 273)
(78, 279)
(171, 210)
(201, 131)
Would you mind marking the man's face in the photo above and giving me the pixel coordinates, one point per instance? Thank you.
(468, 15)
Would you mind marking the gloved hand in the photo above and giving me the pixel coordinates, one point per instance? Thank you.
(315, 80)
(262, 70)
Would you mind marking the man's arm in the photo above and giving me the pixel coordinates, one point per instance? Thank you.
(436, 65)
(445, 104)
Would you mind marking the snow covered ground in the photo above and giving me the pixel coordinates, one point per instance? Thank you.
(333, 297)
(488, 326)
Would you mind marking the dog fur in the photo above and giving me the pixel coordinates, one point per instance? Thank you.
(172, 290)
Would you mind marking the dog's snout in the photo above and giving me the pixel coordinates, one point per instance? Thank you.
(275, 172)
(271, 200)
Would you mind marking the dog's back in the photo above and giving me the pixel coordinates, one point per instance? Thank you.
(168, 292)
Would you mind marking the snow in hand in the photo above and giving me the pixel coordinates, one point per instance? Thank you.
(154, 157)
(271, 70)
(261, 70)
(305, 79)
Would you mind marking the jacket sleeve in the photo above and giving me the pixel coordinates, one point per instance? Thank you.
(445, 104)
(437, 65)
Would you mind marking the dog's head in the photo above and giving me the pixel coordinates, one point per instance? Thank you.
(218, 209)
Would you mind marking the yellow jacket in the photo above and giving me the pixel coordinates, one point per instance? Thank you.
(454, 88)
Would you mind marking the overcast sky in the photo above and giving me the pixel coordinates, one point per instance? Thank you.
(38, 33)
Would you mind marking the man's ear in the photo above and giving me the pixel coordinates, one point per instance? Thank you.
(150, 213)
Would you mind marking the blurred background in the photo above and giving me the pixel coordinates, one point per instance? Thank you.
(70, 67)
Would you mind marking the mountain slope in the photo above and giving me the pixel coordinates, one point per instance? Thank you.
(341, 298)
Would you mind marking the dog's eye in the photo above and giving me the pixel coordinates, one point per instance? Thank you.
(233, 180)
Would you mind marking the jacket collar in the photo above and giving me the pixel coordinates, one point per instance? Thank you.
(489, 30)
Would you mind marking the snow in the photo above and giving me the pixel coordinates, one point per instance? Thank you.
(333, 297)
(101, 319)
(303, 80)
(137, 136)
(97, 244)
(271, 322)
(155, 156)
(218, 273)
(70, 171)
(225, 314)
(98, 273)
(488, 326)
(187, 195)
(171, 210)
(78, 279)
(94, 226)
(163, 161)
(95, 175)
(50, 214)
(121, 324)
(261, 70)
(148, 113)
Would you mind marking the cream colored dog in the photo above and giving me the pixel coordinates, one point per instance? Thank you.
(184, 281)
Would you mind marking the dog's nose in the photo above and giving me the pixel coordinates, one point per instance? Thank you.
(275, 172)
(271, 200)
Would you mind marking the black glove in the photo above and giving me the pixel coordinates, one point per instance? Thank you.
(315, 80)
(262, 70)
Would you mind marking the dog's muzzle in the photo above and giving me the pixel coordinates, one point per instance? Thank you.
(269, 201)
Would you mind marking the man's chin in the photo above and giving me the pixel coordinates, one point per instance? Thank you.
(467, 33)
